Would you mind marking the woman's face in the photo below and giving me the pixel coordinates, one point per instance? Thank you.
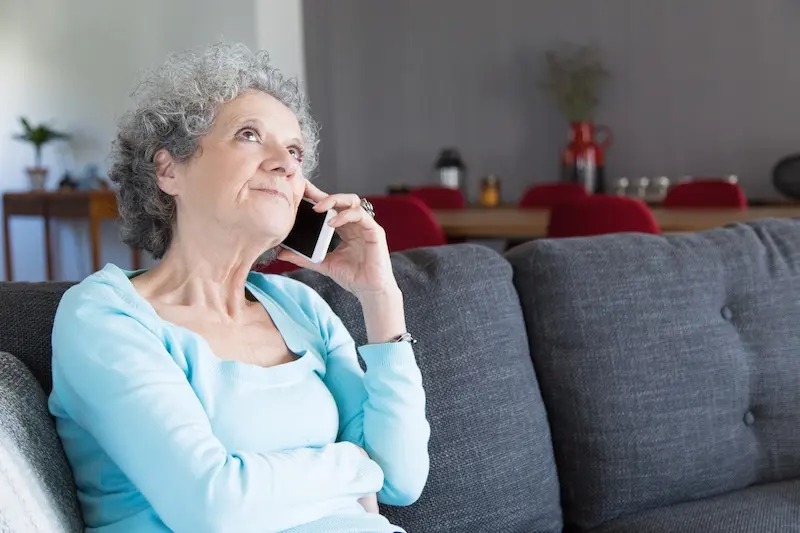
(246, 177)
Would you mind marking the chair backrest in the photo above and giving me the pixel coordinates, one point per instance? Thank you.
(548, 195)
(437, 197)
(707, 192)
(276, 267)
(408, 222)
(601, 214)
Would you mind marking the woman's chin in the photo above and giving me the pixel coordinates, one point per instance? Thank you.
(272, 222)
(270, 234)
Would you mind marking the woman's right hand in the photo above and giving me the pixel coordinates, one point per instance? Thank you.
(370, 501)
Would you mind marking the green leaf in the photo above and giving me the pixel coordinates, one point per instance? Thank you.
(38, 136)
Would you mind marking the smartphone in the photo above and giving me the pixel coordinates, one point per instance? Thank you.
(311, 236)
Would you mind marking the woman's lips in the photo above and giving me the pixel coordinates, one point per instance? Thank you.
(274, 192)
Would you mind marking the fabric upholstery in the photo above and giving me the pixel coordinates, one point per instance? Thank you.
(547, 195)
(408, 222)
(706, 193)
(277, 267)
(492, 467)
(26, 320)
(600, 214)
(668, 364)
(437, 197)
(37, 492)
(772, 508)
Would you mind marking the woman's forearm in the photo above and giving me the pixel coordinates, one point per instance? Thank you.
(384, 315)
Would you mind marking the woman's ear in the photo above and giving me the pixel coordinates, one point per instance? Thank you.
(165, 172)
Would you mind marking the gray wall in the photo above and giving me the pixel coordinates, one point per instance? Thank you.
(699, 87)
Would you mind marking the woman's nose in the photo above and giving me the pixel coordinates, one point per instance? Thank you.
(279, 161)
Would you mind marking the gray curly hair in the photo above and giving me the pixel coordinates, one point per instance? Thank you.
(177, 105)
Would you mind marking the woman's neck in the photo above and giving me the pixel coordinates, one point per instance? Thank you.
(201, 275)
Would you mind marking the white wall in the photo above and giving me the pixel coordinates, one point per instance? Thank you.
(73, 63)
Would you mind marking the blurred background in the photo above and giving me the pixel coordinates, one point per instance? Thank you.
(689, 88)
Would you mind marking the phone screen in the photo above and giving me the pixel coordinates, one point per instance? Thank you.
(306, 229)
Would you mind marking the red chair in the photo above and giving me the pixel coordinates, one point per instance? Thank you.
(408, 222)
(276, 267)
(439, 197)
(547, 195)
(706, 193)
(600, 214)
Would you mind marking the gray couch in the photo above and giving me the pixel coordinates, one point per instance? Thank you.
(626, 383)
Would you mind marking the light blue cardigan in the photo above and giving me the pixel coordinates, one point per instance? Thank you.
(164, 436)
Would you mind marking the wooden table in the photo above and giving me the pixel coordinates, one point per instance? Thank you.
(95, 206)
(510, 222)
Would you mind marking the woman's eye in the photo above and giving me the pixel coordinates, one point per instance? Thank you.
(249, 135)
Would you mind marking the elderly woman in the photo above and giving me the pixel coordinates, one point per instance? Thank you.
(199, 396)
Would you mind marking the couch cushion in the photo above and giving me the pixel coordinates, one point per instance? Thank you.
(492, 466)
(670, 366)
(37, 493)
(26, 320)
(771, 508)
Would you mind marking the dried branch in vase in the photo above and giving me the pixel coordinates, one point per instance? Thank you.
(574, 78)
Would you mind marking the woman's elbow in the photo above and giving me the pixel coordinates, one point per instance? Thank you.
(405, 491)
(406, 497)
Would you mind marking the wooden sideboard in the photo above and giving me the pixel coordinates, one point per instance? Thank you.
(94, 206)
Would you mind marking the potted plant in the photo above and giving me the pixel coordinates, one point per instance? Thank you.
(574, 78)
(38, 136)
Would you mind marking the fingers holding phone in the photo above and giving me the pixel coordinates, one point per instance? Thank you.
(361, 264)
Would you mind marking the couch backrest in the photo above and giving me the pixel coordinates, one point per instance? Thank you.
(26, 320)
(492, 466)
(670, 366)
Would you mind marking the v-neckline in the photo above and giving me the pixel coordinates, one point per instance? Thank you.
(276, 374)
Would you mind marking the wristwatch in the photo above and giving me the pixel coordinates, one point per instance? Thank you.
(406, 337)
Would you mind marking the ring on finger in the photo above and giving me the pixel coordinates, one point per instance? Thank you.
(366, 205)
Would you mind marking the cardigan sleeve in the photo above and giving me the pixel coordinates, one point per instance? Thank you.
(382, 409)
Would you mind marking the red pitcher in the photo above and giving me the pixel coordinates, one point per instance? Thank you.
(582, 159)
